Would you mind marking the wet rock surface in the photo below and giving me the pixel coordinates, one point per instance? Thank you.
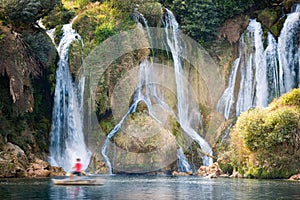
(14, 163)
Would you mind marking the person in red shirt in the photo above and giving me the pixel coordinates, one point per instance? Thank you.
(77, 167)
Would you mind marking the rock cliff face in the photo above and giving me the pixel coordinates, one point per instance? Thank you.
(15, 163)
(27, 58)
(27, 76)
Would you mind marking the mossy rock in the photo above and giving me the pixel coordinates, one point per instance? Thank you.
(277, 27)
(142, 145)
(58, 33)
(76, 59)
(152, 11)
(99, 21)
(268, 17)
(107, 124)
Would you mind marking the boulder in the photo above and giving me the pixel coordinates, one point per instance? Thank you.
(212, 171)
(13, 161)
(295, 177)
(175, 173)
(236, 175)
(40, 168)
(97, 165)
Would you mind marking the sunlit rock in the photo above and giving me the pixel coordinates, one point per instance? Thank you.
(295, 177)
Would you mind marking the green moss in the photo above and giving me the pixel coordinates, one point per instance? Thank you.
(58, 34)
(103, 31)
(106, 124)
(268, 17)
(276, 28)
(226, 167)
(98, 21)
(2, 36)
(58, 16)
(177, 132)
(152, 11)
(75, 59)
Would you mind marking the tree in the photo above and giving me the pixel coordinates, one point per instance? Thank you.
(25, 11)
(201, 19)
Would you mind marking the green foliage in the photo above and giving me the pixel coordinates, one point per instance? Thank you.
(250, 127)
(83, 3)
(262, 130)
(280, 127)
(226, 167)
(229, 8)
(40, 47)
(58, 16)
(289, 99)
(200, 19)
(129, 5)
(269, 16)
(2, 36)
(104, 31)
(152, 11)
(106, 124)
(19, 127)
(265, 142)
(58, 33)
(26, 11)
(100, 21)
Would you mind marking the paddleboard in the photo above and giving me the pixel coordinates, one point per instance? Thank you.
(75, 181)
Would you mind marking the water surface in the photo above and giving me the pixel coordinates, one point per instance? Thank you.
(152, 187)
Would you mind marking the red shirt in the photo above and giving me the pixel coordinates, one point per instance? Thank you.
(78, 167)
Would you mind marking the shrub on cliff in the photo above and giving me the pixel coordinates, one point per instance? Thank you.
(26, 11)
(200, 19)
(58, 16)
(265, 142)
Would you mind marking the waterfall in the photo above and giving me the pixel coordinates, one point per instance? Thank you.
(183, 164)
(146, 92)
(253, 86)
(175, 45)
(67, 137)
(271, 56)
(227, 99)
(263, 74)
(260, 66)
(288, 51)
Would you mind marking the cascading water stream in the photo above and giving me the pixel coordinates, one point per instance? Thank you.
(264, 74)
(145, 90)
(67, 138)
(253, 86)
(288, 52)
(174, 44)
(227, 99)
(183, 164)
(261, 98)
(271, 55)
(145, 71)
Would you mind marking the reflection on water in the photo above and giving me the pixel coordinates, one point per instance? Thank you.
(152, 187)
